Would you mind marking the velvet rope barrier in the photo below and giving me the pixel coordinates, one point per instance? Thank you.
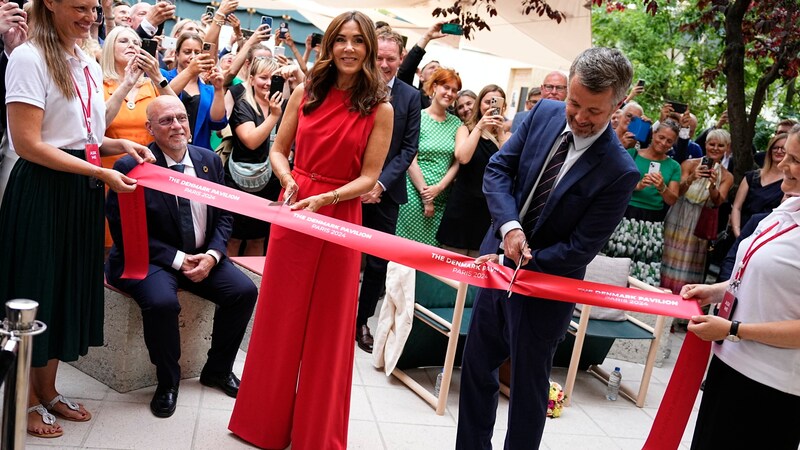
(668, 427)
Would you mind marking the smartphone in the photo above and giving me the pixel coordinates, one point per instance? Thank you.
(266, 20)
(278, 51)
(282, 30)
(655, 167)
(316, 39)
(640, 83)
(276, 85)
(208, 47)
(706, 162)
(210, 11)
(150, 46)
(678, 107)
(405, 40)
(247, 33)
(100, 17)
(169, 43)
(497, 105)
(452, 28)
(639, 128)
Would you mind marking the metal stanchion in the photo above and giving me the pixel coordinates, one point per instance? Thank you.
(19, 327)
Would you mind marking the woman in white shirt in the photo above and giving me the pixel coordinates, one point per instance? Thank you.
(753, 383)
(52, 214)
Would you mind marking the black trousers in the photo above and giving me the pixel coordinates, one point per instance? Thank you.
(737, 411)
(382, 217)
(528, 330)
(234, 294)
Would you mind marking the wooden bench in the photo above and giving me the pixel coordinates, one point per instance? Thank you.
(123, 362)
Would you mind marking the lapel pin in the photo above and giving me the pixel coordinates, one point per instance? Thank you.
(205, 169)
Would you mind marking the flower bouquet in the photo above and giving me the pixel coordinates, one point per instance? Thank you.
(556, 400)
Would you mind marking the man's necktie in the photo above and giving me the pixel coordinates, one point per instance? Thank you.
(185, 212)
(546, 183)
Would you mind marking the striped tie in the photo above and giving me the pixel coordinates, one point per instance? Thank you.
(546, 183)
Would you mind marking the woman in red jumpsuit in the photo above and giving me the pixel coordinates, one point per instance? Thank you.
(296, 381)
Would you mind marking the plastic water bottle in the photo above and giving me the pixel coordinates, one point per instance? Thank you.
(613, 384)
(438, 386)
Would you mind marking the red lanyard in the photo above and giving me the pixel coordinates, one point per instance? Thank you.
(750, 250)
(87, 107)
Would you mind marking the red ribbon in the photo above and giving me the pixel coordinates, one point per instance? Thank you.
(425, 258)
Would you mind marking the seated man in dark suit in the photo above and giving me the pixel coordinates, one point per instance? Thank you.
(187, 242)
(556, 191)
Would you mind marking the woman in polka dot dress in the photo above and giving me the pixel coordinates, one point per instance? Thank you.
(434, 168)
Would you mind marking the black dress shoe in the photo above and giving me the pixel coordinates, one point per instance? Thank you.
(364, 338)
(228, 383)
(164, 401)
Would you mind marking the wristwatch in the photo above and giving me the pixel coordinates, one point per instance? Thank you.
(163, 83)
(733, 334)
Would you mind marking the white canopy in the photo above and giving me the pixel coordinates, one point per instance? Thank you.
(529, 40)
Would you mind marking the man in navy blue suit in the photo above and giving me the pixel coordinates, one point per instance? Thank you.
(187, 242)
(556, 191)
(382, 205)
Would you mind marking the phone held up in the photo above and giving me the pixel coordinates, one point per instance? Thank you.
(452, 28)
(497, 105)
(707, 164)
(655, 167)
(150, 46)
(640, 83)
(266, 20)
(316, 39)
(283, 28)
(210, 11)
(678, 107)
(276, 85)
(208, 48)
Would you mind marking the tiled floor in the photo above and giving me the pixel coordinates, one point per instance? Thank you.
(384, 414)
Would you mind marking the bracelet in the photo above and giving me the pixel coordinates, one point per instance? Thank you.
(663, 188)
(335, 197)
(219, 23)
(281, 177)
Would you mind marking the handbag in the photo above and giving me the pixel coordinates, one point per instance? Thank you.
(250, 177)
(706, 227)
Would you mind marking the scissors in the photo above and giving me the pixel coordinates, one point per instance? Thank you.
(516, 271)
(287, 197)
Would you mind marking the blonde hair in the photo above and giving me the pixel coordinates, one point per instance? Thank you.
(257, 66)
(44, 36)
(108, 61)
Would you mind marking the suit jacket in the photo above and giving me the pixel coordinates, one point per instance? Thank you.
(405, 141)
(408, 68)
(163, 219)
(583, 209)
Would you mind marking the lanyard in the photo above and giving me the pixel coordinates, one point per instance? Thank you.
(86, 107)
(751, 249)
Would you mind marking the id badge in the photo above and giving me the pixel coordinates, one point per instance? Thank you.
(727, 306)
(93, 156)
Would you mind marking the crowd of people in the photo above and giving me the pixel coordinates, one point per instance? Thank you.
(342, 131)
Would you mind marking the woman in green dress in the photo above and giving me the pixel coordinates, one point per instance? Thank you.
(434, 168)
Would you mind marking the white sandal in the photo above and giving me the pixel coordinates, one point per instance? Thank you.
(71, 405)
(47, 419)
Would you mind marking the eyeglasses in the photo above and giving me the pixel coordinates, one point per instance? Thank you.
(779, 148)
(167, 121)
(552, 87)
